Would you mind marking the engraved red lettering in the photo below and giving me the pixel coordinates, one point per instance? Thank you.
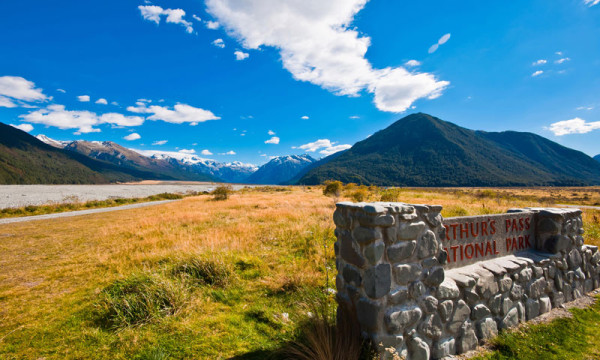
(479, 249)
(492, 227)
(484, 228)
(508, 244)
(467, 247)
(453, 248)
(527, 241)
(507, 224)
(488, 248)
(464, 233)
(521, 225)
(527, 223)
(447, 232)
(521, 244)
(476, 232)
(495, 250)
(454, 231)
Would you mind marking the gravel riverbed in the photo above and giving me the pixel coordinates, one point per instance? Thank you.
(24, 195)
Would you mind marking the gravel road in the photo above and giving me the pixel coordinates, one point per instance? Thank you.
(24, 195)
(81, 212)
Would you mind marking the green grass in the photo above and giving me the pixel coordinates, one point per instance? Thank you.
(73, 206)
(564, 338)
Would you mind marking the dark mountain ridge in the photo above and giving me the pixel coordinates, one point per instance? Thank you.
(421, 150)
(27, 160)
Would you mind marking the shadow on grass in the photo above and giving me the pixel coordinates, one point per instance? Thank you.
(321, 337)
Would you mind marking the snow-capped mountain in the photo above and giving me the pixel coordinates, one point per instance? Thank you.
(236, 171)
(56, 143)
(280, 169)
(186, 166)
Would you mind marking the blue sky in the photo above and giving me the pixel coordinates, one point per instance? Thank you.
(269, 77)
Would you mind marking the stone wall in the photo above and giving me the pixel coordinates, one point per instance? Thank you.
(391, 273)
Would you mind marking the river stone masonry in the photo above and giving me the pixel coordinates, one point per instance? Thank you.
(394, 273)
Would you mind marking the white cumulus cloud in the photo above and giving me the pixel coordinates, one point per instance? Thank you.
(83, 121)
(317, 44)
(333, 149)
(562, 60)
(304, 117)
(540, 62)
(219, 43)
(132, 136)
(273, 140)
(213, 25)
(573, 126)
(240, 55)
(412, 63)
(160, 142)
(83, 98)
(17, 88)
(187, 151)
(271, 132)
(537, 73)
(24, 127)
(230, 152)
(175, 16)
(591, 3)
(102, 101)
(206, 152)
(324, 146)
(6, 102)
(179, 114)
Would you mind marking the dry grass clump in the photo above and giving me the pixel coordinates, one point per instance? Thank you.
(214, 272)
(321, 337)
(139, 299)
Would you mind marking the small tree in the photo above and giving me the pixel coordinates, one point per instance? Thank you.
(222, 192)
(333, 188)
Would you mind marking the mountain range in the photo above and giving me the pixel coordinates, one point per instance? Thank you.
(183, 166)
(421, 150)
(418, 150)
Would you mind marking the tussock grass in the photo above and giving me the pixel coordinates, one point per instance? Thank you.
(215, 271)
(139, 299)
(328, 333)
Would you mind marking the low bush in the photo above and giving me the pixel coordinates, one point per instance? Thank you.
(333, 188)
(139, 299)
(360, 195)
(222, 192)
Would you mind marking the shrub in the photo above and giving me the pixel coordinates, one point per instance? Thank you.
(360, 195)
(139, 299)
(205, 272)
(222, 192)
(333, 188)
(390, 195)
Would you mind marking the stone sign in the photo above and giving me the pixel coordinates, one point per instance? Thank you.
(476, 238)
(428, 287)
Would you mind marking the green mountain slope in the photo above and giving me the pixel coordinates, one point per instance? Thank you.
(26, 160)
(421, 150)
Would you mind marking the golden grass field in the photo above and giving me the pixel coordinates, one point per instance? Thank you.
(277, 243)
